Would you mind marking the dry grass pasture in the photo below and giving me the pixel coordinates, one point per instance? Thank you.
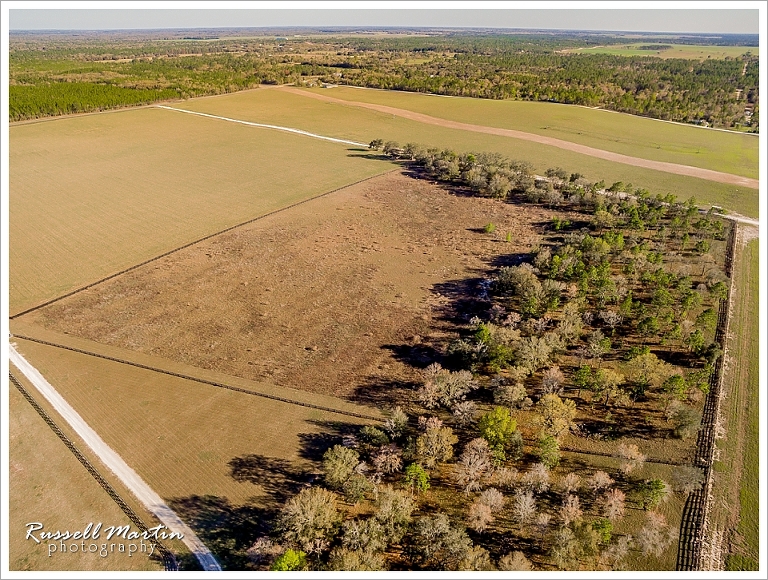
(269, 105)
(95, 194)
(43, 472)
(224, 461)
(341, 295)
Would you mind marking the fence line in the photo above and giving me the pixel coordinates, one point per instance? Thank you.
(169, 560)
(187, 245)
(202, 381)
(695, 522)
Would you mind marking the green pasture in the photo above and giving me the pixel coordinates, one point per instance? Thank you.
(608, 130)
(688, 51)
(363, 125)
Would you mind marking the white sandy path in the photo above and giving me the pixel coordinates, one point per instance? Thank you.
(264, 126)
(153, 502)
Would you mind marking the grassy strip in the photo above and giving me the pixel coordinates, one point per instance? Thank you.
(737, 470)
(749, 490)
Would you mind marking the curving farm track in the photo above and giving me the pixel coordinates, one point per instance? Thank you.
(675, 168)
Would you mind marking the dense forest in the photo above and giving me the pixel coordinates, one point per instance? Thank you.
(107, 71)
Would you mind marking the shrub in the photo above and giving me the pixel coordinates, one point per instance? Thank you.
(290, 560)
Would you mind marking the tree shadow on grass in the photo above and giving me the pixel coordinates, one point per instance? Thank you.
(279, 478)
(226, 529)
(314, 445)
(384, 393)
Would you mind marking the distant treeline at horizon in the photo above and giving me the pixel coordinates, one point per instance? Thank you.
(154, 66)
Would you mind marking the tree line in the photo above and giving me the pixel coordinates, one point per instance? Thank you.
(525, 67)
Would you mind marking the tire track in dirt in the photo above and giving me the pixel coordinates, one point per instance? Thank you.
(677, 169)
(132, 480)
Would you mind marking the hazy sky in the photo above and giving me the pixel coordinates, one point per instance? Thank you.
(649, 20)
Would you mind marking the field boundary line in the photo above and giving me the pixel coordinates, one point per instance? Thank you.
(664, 166)
(190, 244)
(200, 380)
(132, 480)
(694, 526)
(169, 560)
(265, 126)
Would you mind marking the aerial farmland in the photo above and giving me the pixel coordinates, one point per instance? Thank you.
(319, 325)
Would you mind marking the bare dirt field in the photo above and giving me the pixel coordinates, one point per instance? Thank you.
(337, 296)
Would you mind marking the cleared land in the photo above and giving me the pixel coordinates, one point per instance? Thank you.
(605, 130)
(736, 511)
(95, 194)
(43, 472)
(328, 297)
(690, 51)
(347, 121)
(224, 461)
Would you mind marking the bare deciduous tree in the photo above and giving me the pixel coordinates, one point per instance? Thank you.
(655, 536)
(505, 477)
(612, 504)
(536, 479)
(523, 506)
(552, 379)
(493, 498)
(599, 481)
(396, 423)
(611, 318)
(570, 511)
(473, 465)
(515, 562)
(388, 459)
(264, 551)
(687, 479)
(630, 457)
(571, 483)
(480, 516)
(615, 553)
(465, 412)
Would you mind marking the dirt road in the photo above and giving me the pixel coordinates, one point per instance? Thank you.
(153, 502)
(686, 170)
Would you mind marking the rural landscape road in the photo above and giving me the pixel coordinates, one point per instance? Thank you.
(151, 500)
(675, 168)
